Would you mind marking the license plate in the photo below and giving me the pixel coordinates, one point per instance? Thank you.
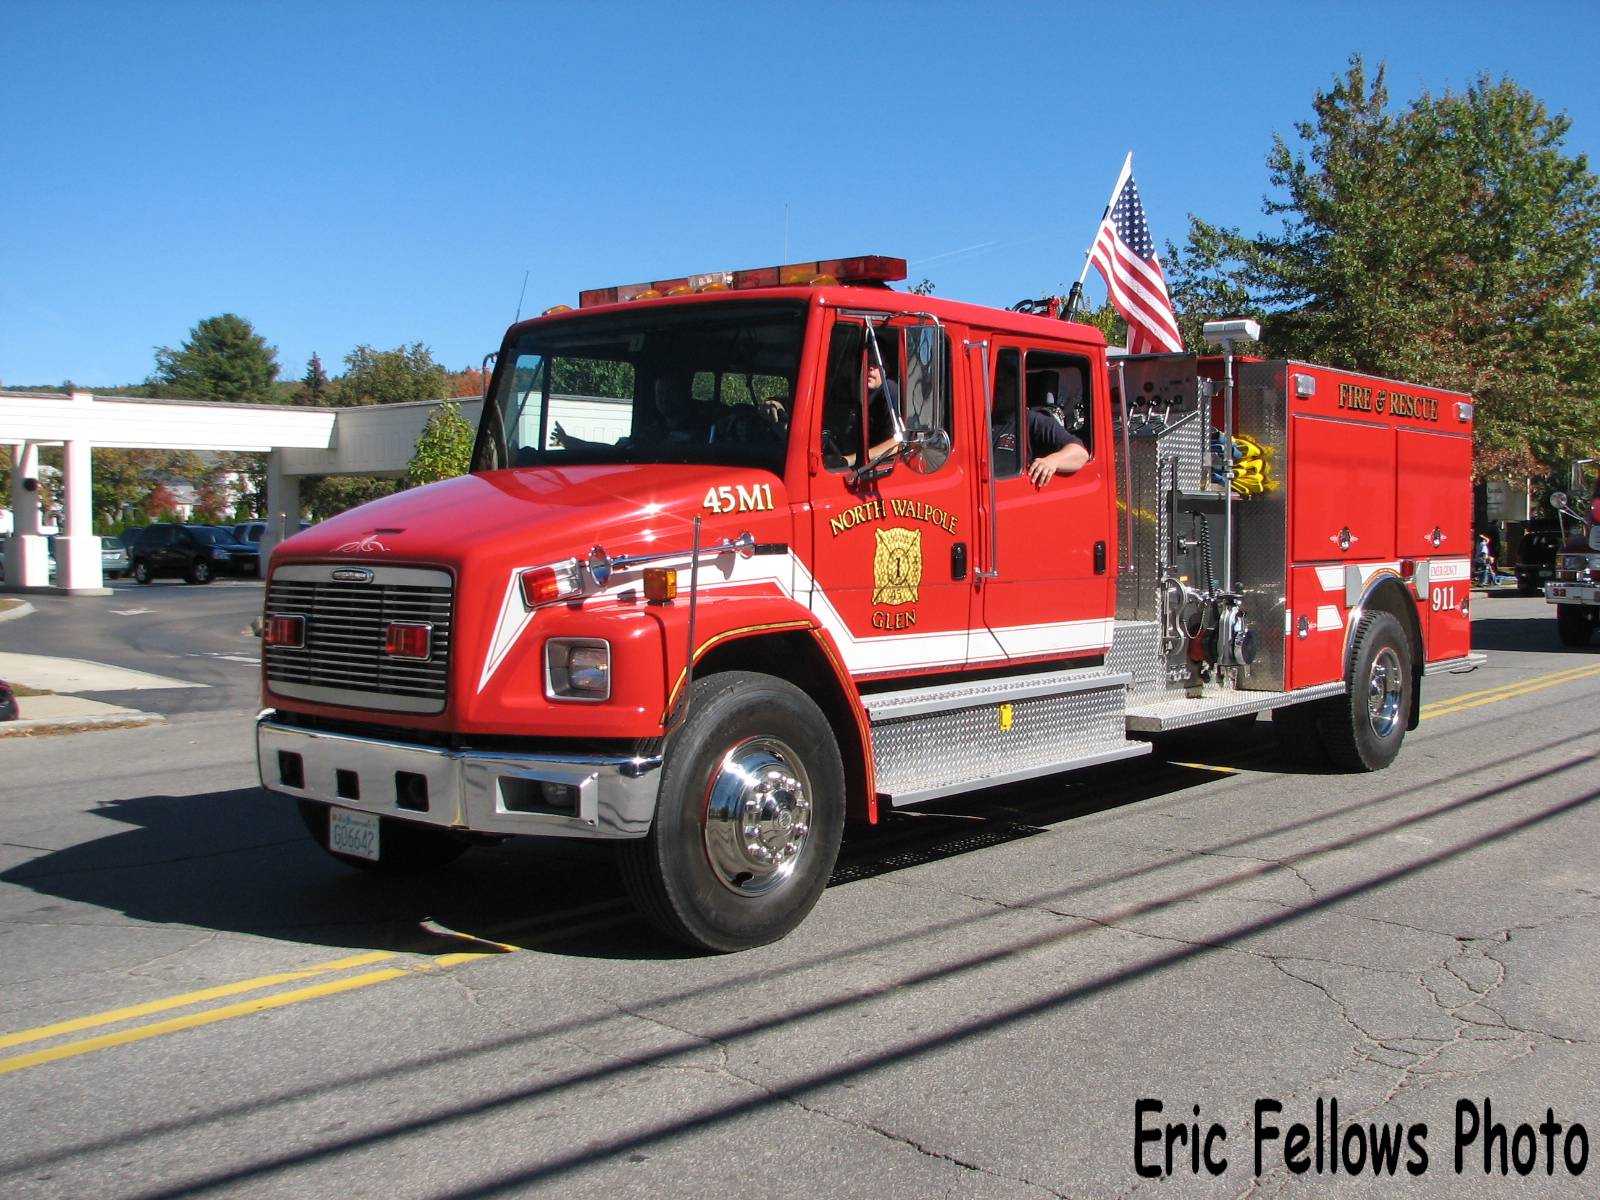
(1558, 591)
(353, 833)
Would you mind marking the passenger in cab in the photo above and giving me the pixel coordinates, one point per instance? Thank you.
(1052, 448)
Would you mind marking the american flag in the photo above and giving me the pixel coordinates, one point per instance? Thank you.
(1125, 256)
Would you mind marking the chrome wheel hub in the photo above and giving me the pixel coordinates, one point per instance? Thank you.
(1384, 690)
(758, 816)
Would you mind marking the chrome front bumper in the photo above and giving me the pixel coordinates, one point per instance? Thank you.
(460, 789)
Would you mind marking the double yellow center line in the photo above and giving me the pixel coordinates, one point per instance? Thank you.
(210, 1016)
(1508, 691)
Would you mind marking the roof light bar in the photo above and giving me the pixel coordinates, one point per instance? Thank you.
(826, 272)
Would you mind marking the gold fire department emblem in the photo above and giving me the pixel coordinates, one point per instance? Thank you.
(897, 567)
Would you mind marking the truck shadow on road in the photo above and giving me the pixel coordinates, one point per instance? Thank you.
(1520, 634)
(240, 861)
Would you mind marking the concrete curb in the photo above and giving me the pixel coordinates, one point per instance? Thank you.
(11, 614)
(50, 725)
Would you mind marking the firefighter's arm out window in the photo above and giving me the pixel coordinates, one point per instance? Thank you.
(1040, 424)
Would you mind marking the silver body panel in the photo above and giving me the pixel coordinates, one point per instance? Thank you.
(616, 797)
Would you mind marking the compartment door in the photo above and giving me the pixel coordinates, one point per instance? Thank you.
(1344, 491)
(1434, 500)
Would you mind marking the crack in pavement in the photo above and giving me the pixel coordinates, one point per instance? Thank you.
(724, 1069)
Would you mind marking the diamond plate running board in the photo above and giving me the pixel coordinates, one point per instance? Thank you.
(937, 741)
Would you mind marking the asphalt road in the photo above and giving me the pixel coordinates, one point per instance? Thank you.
(199, 634)
(195, 1001)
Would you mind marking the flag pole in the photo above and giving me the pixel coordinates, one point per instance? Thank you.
(1076, 294)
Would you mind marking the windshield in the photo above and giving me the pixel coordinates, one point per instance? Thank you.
(208, 535)
(697, 384)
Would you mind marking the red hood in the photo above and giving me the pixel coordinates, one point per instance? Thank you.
(485, 528)
(541, 514)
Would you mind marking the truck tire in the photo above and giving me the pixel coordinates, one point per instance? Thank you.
(748, 820)
(1574, 624)
(1362, 729)
(404, 847)
(200, 571)
(141, 571)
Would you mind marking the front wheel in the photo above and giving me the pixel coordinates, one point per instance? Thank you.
(1362, 730)
(748, 820)
(1574, 624)
(201, 572)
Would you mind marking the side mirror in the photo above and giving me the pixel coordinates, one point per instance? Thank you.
(925, 450)
(1561, 503)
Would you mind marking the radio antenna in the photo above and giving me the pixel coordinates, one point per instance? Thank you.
(520, 296)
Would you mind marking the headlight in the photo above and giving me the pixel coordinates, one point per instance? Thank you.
(577, 669)
(218, 552)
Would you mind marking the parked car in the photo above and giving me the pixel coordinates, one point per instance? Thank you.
(113, 558)
(9, 710)
(129, 536)
(249, 533)
(197, 553)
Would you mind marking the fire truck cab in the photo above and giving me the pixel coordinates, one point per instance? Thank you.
(745, 555)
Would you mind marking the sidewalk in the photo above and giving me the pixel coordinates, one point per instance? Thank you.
(62, 712)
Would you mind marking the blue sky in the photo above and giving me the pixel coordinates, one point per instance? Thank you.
(343, 173)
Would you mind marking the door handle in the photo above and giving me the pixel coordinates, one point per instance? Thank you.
(958, 561)
(1099, 558)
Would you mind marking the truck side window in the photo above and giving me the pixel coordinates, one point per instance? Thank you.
(1058, 386)
(845, 436)
(911, 400)
(1006, 418)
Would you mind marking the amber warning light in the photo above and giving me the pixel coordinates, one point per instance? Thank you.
(866, 269)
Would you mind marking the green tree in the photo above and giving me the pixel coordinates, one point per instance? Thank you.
(122, 478)
(315, 387)
(224, 359)
(391, 376)
(444, 450)
(325, 496)
(1454, 242)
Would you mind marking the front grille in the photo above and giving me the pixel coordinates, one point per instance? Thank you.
(343, 659)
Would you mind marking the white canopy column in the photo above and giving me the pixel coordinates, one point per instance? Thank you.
(283, 506)
(27, 555)
(77, 548)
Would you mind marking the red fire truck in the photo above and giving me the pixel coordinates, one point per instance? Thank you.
(745, 555)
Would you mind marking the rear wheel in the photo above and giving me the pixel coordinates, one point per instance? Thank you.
(141, 572)
(1362, 729)
(1574, 624)
(748, 820)
(404, 847)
